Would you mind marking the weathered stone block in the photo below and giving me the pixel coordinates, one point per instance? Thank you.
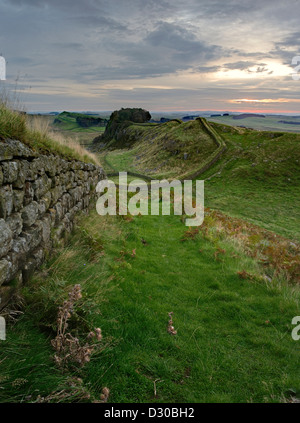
(76, 193)
(39, 164)
(13, 148)
(6, 236)
(41, 186)
(29, 193)
(29, 170)
(56, 193)
(20, 247)
(52, 214)
(6, 201)
(41, 209)
(1, 176)
(39, 255)
(5, 267)
(15, 223)
(59, 212)
(19, 182)
(46, 199)
(51, 166)
(6, 152)
(46, 230)
(86, 202)
(30, 213)
(66, 201)
(18, 199)
(33, 236)
(10, 172)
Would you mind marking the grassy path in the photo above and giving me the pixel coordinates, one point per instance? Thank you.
(234, 335)
(233, 342)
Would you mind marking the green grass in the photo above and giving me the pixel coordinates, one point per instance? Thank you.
(268, 123)
(232, 314)
(15, 125)
(258, 179)
(234, 335)
(12, 124)
(66, 121)
(121, 161)
(170, 150)
(27, 368)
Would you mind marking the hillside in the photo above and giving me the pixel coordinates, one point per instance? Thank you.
(256, 176)
(172, 149)
(198, 314)
(71, 121)
(81, 127)
(36, 133)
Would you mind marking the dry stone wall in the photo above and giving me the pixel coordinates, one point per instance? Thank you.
(40, 194)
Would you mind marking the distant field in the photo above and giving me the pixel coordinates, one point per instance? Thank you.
(84, 136)
(267, 123)
(69, 128)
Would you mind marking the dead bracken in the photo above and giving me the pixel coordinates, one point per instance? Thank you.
(171, 329)
(105, 395)
(67, 347)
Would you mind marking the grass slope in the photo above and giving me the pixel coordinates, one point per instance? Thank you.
(222, 336)
(256, 178)
(234, 334)
(34, 132)
(173, 149)
(67, 121)
(227, 284)
(66, 124)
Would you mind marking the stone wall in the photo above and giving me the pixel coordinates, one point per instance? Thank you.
(40, 195)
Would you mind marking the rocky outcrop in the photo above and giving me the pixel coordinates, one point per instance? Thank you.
(118, 122)
(39, 197)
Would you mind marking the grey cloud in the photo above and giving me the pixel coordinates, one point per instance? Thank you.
(185, 42)
(136, 39)
(75, 46)
(241, 65)
(168, 48)
(100, 22)
(260, 69)
(246, 65)
(287, 48)
(61, 4)
(284, 55)
(172, 36)
(101, 7)
(207, 69)
(292, 40)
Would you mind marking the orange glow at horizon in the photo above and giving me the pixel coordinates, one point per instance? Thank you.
(265, 100)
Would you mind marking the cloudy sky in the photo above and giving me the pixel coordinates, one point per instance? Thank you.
(157, 54)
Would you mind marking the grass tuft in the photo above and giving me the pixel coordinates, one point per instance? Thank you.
(36, 134)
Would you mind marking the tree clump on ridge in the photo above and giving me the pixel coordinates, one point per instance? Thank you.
(122, 118)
